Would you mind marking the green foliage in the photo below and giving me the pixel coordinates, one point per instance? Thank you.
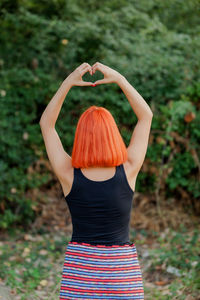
(153, 44)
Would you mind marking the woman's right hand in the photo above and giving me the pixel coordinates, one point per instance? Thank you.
(110, 75)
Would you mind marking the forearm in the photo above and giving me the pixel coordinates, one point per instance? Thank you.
(51, 112)
(137, 102)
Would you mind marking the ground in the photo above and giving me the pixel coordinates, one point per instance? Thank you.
(167, 243)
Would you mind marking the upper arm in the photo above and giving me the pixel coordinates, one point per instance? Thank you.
(59, 159)
(138, 144)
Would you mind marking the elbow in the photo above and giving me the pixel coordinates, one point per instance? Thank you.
(44, 123)
(42, 120)
(150, 113)
(149, 116)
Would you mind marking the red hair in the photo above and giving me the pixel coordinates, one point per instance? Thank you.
(97, 141)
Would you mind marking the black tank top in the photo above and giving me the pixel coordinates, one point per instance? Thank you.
(100, 210)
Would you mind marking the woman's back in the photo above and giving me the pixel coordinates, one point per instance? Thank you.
(100, 210)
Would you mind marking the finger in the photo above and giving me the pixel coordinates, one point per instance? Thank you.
(101, 81)
(86, 69)
(86, 83)
(97, 67)
(83, 66)
(90, 69)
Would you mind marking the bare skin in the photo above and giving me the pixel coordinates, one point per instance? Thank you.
(61, 161)
(99, 174)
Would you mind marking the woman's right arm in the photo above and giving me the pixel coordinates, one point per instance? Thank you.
(139, 140)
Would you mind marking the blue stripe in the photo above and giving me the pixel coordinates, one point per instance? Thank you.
(116, 286)
(105, 260)
(102, 263)
(100, 251)
(100, 297)
(102, 274)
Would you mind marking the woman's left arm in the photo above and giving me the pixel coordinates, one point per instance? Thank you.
(58, 157)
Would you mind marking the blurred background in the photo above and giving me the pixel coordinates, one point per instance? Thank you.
(155, 45)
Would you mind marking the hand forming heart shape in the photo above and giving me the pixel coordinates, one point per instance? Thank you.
(110, 75)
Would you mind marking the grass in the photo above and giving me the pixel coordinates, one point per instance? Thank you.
(174, 266)
(31, 264)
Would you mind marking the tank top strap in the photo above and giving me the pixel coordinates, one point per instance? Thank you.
(77, 176)
(124, 178)
(76, 173)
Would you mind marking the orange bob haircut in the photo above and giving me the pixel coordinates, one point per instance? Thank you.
(97, 141)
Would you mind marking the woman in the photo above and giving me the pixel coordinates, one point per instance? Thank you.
(98, 183)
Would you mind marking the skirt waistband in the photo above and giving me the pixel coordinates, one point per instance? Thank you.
(101, 245)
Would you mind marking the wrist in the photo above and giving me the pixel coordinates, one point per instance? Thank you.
(120, 80)
(67, 83)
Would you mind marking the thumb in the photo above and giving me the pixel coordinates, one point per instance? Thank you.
(101, 81)
(85, 83)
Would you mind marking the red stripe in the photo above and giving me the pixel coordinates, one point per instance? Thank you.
(103, 291)
(100, 256)
(102, 280)
(102, 268)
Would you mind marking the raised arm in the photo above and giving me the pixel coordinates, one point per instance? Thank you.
(58, 157)
(139, 140)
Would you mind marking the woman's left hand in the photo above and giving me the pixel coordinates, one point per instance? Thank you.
(75, 78)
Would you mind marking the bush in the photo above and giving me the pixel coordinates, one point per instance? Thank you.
(44, 41)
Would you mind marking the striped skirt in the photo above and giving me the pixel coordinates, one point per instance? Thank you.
(101, 272)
